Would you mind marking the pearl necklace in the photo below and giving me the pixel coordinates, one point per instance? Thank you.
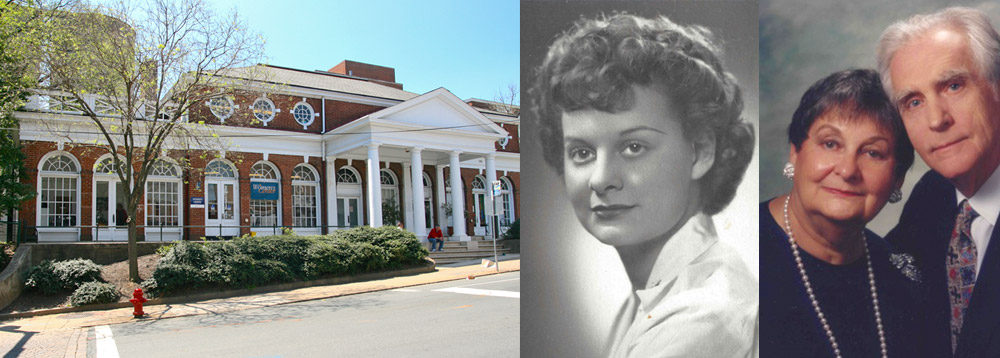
(812, 296)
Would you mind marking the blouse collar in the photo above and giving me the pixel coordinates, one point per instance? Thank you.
(687, 244)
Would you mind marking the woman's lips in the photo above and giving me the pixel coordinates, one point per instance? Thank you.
(606, 212)
(845, 193)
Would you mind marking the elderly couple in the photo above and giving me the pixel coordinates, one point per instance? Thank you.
(831, 288)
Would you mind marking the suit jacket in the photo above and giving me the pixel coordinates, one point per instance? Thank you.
(924, 230)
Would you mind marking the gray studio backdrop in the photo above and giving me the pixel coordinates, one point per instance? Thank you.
(801, 42)
(572, 285)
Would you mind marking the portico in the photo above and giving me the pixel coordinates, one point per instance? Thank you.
(426, 134)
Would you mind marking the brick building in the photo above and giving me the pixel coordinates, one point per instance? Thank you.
(320, 148)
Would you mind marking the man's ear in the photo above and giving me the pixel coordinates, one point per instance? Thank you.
(704, 155)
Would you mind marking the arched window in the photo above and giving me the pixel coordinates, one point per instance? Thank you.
(348, 197)
(506, 211)
(390, 193)
(220, 169)
(265, 197)
(305, 197)
(58, 191)
(163, 196)
(479, 193)
(428, 202)
(221, 195)
(347, 176)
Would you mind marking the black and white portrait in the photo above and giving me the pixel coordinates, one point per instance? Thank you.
(641, 179)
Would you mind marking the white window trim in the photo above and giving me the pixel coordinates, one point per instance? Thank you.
(274, 108)
(180, 196)
(277, 174)
(222, 117)
(38, 188)
(319, 207)
(312, 111)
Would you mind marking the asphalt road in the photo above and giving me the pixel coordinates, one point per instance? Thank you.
(465, 318)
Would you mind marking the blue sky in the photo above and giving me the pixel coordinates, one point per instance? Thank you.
(469, 47)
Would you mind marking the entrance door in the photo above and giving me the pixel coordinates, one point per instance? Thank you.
(110, 215)
(221, 204)
(348, 212)
(479, 202)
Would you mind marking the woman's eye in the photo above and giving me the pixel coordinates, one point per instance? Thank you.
(829, 144)
(875, 154)
(633, 149)
(580, 155)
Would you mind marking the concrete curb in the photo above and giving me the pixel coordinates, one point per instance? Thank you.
(429, 266)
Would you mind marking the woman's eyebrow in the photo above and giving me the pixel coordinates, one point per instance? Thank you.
(641, 128)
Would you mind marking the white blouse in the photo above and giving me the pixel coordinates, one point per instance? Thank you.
(701, 302)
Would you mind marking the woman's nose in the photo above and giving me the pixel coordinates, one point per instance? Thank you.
(606, 175)
(847, 167)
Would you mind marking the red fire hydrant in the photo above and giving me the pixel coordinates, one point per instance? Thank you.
(137, 301)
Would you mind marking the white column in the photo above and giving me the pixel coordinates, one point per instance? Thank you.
(491, 176)
(457, 198)
(439, 189)
(407, 202)
(331, 194)
(418, 192)
(374, 187)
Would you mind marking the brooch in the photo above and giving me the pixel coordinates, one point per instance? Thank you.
(904, 263)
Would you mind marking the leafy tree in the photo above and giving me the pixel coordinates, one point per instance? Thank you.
(133, 73)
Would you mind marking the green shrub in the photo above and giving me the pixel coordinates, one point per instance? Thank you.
(43, 278)
(329, 256)
(168, 277)
(514, 232)
(94, 292)
(53, 276)
(163, 250)
(186, 253)
(368, 257)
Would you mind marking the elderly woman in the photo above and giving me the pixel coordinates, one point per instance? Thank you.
(828, 286)
(642, 122)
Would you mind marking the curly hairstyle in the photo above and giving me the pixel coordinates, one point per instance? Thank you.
(596, 63)
(857, 94)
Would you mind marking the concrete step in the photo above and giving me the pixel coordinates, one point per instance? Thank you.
(449, 260)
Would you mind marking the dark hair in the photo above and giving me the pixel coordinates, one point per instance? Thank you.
(857, 94)
(596, 63)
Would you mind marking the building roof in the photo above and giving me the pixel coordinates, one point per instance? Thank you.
(321, 80)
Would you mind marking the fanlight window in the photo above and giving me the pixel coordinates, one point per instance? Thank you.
(106, 166)
(60, 163)
(263, 171)
(218, 168)
(387, 178)
(478, 183)
(303, 173)
(347, 176)
(221, 107)
(263, 110)
(164, 168)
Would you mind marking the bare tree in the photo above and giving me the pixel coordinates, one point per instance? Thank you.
(133, 73)
(506, 100)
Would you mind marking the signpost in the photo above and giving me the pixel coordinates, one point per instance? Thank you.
(493, 210)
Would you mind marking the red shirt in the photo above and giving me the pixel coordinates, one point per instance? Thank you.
(435, 233)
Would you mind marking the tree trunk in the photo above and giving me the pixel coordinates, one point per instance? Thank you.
(133, 258)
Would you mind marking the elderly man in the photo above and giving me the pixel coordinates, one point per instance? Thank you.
(943, 70)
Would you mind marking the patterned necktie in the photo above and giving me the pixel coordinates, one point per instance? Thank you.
(961, 263)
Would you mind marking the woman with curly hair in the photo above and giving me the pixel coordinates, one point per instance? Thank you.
(643, 123)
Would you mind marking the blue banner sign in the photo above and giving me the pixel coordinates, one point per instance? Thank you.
(198, 202)
(264, 191)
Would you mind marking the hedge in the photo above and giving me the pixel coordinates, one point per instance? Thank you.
(93, 293)
(54, 276)
(253, 261)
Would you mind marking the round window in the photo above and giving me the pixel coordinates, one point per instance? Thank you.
(303, 113)
(221, 107)
(263, 110)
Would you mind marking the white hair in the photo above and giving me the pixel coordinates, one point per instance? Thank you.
(984, 43)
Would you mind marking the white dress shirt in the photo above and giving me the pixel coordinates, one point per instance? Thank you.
(986, 202)
(702, 301)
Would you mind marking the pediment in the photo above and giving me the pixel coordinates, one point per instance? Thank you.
(439, 109)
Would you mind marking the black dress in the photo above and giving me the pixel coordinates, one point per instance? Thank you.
(789, 325)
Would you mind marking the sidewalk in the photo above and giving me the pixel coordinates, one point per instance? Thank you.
(71, 321)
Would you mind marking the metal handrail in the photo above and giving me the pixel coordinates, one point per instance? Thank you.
(276, 229)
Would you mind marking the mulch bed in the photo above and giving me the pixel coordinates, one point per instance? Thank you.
(116, 274)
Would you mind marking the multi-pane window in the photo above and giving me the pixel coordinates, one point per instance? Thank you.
(347, 176)
(507, 195)
(263, 110)
(428, 202)
(163, 195)
(264, 212)
(221, 107)
(389, 188)
(303, 114)
(305, 185)
(220, 169)
(58, 191)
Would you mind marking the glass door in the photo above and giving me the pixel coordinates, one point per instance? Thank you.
(110, 216)
(348, 213)
(479, 202)
(221, 205)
